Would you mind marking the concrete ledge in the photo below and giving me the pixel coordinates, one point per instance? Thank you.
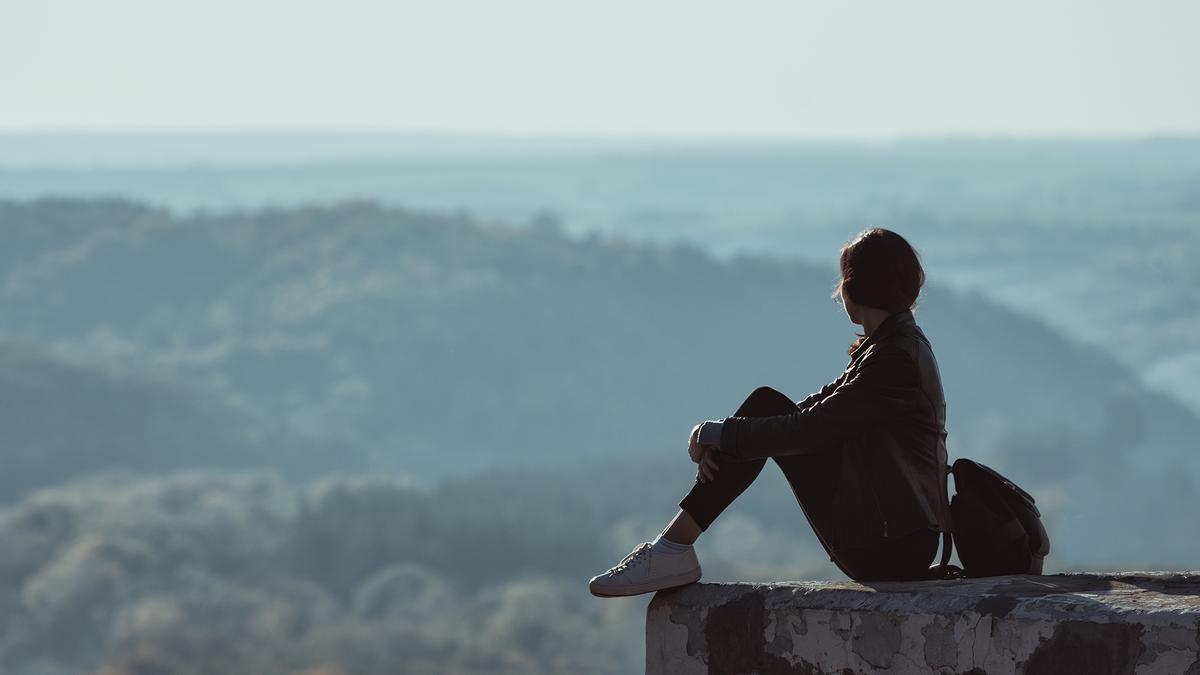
(1138, 622)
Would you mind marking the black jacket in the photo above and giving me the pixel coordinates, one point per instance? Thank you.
(886, 415)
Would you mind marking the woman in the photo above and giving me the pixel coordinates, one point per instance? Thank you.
(865, 456)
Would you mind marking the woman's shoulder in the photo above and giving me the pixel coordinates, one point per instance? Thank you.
(895, 346)
(901, 355)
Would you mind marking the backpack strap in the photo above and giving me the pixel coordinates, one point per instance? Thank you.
(945, 570)
(947, 537)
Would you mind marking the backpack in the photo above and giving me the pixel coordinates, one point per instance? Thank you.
(995, 525)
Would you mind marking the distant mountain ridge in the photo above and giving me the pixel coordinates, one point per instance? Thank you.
(435, 344)
(1095, 237)
(59, 420)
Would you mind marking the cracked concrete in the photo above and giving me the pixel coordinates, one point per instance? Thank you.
(1146, 623)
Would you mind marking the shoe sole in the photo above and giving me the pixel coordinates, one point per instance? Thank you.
(656, 585)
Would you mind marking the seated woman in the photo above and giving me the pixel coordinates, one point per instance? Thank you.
(865, 456)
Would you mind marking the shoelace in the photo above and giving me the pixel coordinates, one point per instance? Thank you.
(631, 559)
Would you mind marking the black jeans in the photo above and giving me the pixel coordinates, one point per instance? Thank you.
(813, 478)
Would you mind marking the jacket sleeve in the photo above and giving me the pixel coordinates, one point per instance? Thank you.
(813, 398)
(710, 432)
(884, 386)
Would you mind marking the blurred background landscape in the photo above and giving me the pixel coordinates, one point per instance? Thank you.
(365, 358)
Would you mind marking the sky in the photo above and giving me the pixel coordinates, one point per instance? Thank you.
(736, 68)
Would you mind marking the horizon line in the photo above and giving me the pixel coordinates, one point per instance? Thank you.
(589, 136)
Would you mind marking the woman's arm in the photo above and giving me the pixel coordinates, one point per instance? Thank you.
(885, 386)
(813, 398)
(710, 430)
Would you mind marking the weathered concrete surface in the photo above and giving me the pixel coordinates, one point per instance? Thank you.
(1091, 624)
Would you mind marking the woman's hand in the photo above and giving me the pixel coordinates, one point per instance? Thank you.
(708, 465)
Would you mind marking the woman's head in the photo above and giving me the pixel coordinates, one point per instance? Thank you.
(880, 271)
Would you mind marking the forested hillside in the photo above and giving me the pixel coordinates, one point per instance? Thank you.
(435, 344)
(204, 573)
(60, 419)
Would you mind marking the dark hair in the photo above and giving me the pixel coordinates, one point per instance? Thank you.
(880, 269)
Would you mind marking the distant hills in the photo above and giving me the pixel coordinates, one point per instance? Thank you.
(435, 344)
(60, 420)
(1097, 238)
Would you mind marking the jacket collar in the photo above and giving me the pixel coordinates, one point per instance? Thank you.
(889, 325)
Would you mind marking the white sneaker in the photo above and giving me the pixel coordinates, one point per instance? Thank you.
(646, 569)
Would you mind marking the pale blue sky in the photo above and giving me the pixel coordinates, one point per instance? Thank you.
(731, 68)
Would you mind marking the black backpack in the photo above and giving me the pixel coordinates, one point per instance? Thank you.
(995, 525)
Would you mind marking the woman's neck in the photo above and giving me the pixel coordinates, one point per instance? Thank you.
(871, 318)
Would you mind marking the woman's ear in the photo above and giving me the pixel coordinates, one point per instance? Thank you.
(851, 308)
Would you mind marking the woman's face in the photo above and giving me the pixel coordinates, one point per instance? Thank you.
(850, 307)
